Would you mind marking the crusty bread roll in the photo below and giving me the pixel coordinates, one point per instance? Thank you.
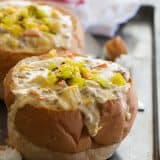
(68, 107)
(34, 28)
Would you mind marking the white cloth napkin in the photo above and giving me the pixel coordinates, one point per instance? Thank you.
(102, 17)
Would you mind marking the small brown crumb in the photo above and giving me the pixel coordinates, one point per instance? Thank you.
(115, 48)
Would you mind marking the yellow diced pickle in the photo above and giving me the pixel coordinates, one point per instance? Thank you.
(32, 10)
(52, 66)
(10, 10)
(66, 71)
(1, 16)
(86, 73)
(81, 64)
(55, 27)
(29, 24)
(41, 13)
(41, 81)
(103, 82)
(52, 78)
(55, 14)
(118, 79)
(80, 82)
(16, 30)
(77, 72)
(43, 28)
(24, 13)
(88, 101)
(46, 21)
(7, 21)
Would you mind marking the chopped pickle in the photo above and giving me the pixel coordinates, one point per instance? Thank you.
(55, 14)
(77, 72)
(16, 29)
(41, 13)
(24, 13)
(55, 27)
(52, 78)
(43, 28)
(29, 23)
(46, 21)
(86, 73)
(7, 21)
(80, 82)
(103, 82)
(52, 66)
(81, 64)
(10, 10)
(1, 16)
(118, 79)
(66, 71)
(41, 81)
(88, 101)
(32, 10)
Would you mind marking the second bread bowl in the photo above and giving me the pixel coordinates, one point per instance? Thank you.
(30, 28)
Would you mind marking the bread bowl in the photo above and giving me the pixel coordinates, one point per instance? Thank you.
(68, 107)
(33, 28)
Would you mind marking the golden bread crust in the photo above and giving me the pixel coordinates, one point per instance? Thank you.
(62, 130)
(114, 122)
